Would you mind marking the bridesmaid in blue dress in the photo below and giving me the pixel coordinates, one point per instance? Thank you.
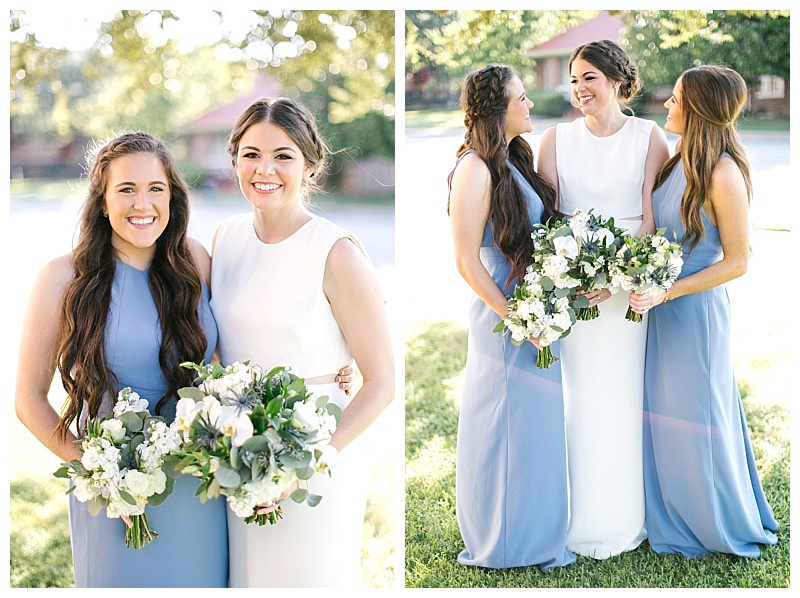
(511, 474)
(124, 308)
(702, 489)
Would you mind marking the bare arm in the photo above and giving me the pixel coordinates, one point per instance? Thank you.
(657, 154)
(546, 164)
(727, 204)
(355, 296)
(36, 366)
(469, 212)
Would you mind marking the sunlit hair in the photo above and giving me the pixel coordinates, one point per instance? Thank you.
(611, 60)
(484, 99)
(298, 123)
(711, 99)
(174, 281)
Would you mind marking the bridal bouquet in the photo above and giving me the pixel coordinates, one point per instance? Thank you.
(252, 435)
(538, 308)
(647, 264)
(121, 465)
(590, 244)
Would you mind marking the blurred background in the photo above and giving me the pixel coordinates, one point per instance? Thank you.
(442, 47)
(77, 76)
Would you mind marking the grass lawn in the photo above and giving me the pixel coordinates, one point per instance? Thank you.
(435, 356)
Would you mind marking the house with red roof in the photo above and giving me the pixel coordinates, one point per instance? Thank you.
(552, 57)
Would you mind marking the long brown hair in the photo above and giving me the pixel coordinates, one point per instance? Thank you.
(711, 99)
(174, 281)
(484, 99)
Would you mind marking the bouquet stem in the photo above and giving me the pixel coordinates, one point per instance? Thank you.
(545, 358)
(263, 518)
(587, 313)
(140, 533)
(632, 315)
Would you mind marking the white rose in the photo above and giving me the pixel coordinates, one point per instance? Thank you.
(114, 429)
(137, 482)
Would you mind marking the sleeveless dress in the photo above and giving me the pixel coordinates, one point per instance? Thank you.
(271, 309)
(701, 484)
(603, 359)
(192, 545)
(511, 485)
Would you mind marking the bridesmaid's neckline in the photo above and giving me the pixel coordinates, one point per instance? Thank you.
(119, 261)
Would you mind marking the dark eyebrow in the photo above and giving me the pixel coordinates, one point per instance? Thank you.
(132, 184)
(277, 149)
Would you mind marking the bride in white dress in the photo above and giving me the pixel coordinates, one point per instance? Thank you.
(607, 161)
(290, 288)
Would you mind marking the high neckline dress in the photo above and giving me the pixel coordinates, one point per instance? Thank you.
(271, 309)
(511, 483)
(192, 545)
(703, 492)
(603, 359)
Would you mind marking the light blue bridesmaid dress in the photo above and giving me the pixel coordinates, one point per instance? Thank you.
(511, 472)
(702, 490)
(192, 545)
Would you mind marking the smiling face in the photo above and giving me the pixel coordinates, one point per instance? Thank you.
(137, 197)
(518, 115)
(591, 90)
(270, 167)
(675, 119)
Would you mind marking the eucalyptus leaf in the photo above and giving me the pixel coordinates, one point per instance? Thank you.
(127, 497)
(299, 495)
(131, 421)
(335, 411)
(301, 460)
(157, 499)
(304, 473)
(191, 392)
(255, 444)
(94, 506)
(313, 500)
(227, 478)
(499, 326)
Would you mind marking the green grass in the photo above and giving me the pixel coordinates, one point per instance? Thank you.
(40, 548)
(435, 356)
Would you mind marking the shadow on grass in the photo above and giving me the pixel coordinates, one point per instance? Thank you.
(435, 358)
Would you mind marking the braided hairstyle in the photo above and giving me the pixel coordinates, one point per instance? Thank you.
(614, 63)
(484, 99)
(711, 99)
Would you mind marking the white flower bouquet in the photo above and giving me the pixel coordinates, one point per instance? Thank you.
(252, 435)
(121, 465)
(590, 245)
(647, 264)
(542, 304)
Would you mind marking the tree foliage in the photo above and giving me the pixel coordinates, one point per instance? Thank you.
(667, 42)
(140, 73)
(456, 42)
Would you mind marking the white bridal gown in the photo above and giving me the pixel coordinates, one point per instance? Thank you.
(271, 310)
(602, 360)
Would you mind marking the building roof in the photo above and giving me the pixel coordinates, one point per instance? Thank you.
(604, 26)
(222, 118)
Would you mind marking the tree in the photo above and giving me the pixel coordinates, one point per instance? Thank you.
(139, 73)
(443, 46)
(753, 42)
